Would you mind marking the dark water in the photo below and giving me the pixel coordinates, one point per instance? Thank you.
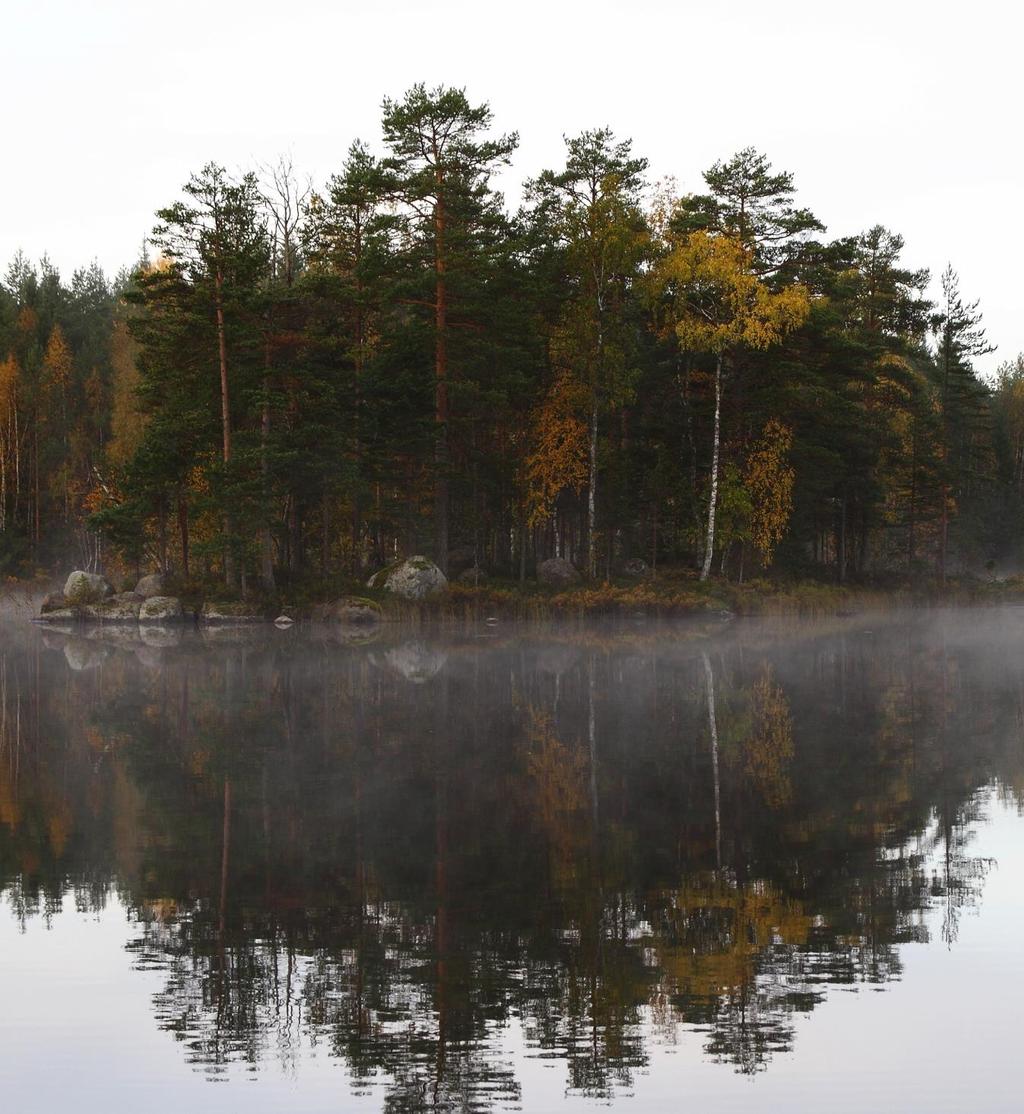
(746, 867)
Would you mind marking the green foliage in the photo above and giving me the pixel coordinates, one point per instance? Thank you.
(301, 385)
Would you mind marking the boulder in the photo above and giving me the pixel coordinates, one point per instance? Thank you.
(230, 612)
(161, 609)
(112, 611)
(635, 568)
(353, 610)
(557, 572)
(415, 578)
(149, 586)
(59, 615)
(83, 588)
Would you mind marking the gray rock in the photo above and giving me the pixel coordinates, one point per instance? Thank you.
(149, 586)
(161, 609)
(230, 613)
(83, 588)
(557, 572)
(59, 615)
(352, 610)
(415, 578)
(112, 611)
(473, 575)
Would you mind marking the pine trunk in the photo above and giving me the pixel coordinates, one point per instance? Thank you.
(441, 389)
(225, 415)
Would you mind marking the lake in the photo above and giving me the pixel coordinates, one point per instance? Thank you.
(720, 866)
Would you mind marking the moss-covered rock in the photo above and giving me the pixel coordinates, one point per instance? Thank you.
(83, 588)
(161, 609)
(230, 611)
(151, 586)
(112, 611)
(415, 578)
(557, 572)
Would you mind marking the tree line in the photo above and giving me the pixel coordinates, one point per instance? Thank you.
(301, 382)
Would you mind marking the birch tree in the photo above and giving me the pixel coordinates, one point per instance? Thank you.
(716, 305)
(594, 214)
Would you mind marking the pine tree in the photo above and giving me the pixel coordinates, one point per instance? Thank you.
(439, 170)
(959, 339)
(217, 241)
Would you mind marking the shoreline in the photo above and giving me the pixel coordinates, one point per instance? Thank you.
(671, 596)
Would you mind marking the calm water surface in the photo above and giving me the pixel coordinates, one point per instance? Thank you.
(747, 866)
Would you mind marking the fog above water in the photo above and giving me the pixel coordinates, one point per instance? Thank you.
(509, 866)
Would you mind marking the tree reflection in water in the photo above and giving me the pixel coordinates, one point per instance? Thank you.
(609, 838)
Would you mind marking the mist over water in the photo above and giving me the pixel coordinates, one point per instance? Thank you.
(733, 865)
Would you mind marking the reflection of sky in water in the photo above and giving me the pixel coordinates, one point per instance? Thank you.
(945, 1037)
(89, 998)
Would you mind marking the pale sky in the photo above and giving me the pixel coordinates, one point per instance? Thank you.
(903, 113)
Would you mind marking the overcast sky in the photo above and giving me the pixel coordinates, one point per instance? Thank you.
(902, 112)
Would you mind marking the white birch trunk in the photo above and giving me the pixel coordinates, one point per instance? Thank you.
(592, 493)
(709, 545)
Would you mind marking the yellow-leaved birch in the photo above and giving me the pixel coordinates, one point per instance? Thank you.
(716, 305)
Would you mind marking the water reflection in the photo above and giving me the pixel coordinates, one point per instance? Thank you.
(610, 837)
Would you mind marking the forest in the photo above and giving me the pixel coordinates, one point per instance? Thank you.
(299, 382)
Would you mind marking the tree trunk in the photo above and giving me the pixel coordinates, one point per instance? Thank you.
(183, 534)
(266, 538)
(161, 523)
(35, 454)
(441, 387)
(912, 531)
(709, 544)
(325, 535)
(225, 416)
(944, 532)
(294, 535)
(592, 492)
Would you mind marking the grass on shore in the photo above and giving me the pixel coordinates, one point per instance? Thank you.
(669, 594)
